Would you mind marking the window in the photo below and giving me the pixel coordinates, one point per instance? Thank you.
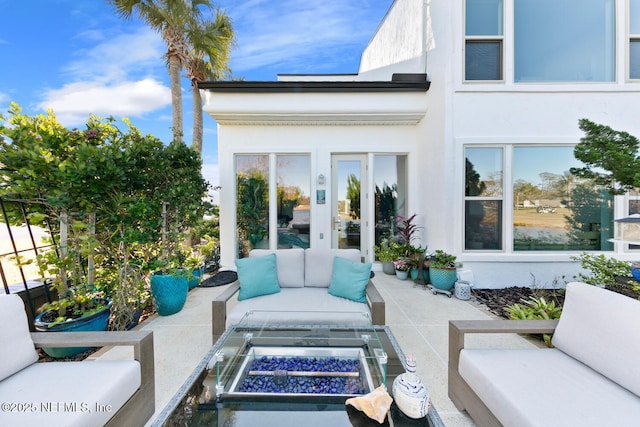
(552, 210)
(634, 39)
(564, 41)
(252, 202)
(294, 202)
(390, 184)
(483, 198)
(483, 41)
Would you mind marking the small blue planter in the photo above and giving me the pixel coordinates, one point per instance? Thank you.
(425, 273)
(196, 276)
(169, 292)
(98, 321)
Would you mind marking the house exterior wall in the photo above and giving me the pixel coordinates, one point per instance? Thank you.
(439, 124)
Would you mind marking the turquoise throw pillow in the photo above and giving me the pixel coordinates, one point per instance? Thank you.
(349, 279)
(257, 276)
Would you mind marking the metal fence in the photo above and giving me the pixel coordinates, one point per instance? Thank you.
(18, 251)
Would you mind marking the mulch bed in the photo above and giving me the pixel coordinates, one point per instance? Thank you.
(497, 299)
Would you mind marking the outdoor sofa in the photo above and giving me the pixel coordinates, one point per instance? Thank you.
(590, 378)
(76, 393)
(304, 279)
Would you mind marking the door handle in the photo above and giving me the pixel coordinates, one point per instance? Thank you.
(336, 221)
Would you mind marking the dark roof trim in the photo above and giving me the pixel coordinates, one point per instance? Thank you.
(398, 83)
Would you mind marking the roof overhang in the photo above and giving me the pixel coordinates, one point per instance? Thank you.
(401, 101)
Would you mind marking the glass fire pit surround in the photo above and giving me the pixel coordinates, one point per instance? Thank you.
(267, 371)
(265, 359)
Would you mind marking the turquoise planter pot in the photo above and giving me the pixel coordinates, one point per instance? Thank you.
(98, 321)
(169, 292)
(196, 276)
(425, 273)
(443, 279)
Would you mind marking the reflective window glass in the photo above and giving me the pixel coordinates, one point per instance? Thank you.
(483, 60)
(483, 172)
(553, 210)
(564, 41)
(252, 202)
(483, 17)
(634, 59)
(294, 207)
(390, 183)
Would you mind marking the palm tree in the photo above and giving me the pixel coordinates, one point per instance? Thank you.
(207, 60)
(178, 22)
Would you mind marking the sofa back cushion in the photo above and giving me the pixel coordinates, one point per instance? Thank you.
(17, 350)
(289, 265)
(318, 265)
(600, 329)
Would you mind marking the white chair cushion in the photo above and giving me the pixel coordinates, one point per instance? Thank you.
(17, 350)
(545, 387)
(318, 265)
(72, 390)
(290, 300)
(289, 265)
(600, 329)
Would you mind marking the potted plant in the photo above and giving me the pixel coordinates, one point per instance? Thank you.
(80, 305)
(407, 230)
(386, 253)
(419, 260)
(402, 268)
(443, 270)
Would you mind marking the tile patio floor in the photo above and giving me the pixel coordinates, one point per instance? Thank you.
(417, 318)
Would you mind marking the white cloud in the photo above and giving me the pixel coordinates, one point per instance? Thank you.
(115, 58)
(296, 29)
(74, 102)
(116, 75)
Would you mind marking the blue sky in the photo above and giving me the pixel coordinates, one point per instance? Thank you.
(78, 57)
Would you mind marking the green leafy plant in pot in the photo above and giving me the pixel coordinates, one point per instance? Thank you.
(386, 252)
(442, 270)
(80, 304)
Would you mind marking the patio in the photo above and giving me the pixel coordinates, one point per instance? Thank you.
(418, 319)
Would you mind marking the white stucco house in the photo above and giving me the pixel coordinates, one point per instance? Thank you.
(463, 112)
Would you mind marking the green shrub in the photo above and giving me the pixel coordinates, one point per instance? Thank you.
(603, 270)
(535, 309)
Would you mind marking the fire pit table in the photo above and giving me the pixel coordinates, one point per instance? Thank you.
(265, 371)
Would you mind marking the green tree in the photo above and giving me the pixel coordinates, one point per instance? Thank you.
(207, 60)
(122, 177)
(610, 157)
(353, 194)
(181, 25)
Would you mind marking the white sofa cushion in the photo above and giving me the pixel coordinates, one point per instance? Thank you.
(17, 350)
(300, 300)
(545, 387)
(73, 389)
(600, 329)
(289, 264)
(318, 265)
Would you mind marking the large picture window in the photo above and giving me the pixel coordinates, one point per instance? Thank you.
(483, 39)
(553, 210)
(564, 41)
